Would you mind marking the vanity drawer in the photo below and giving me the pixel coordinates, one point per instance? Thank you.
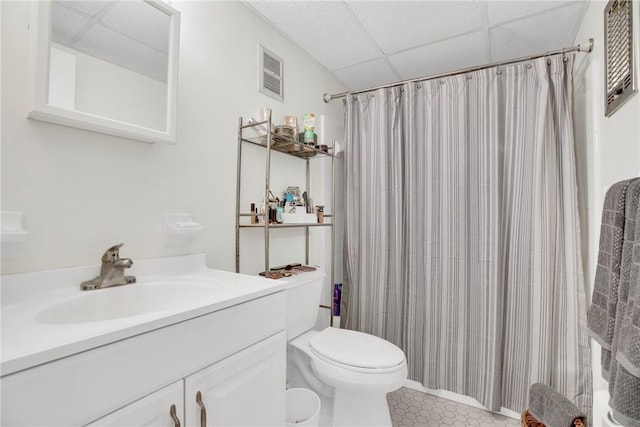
(80, 388)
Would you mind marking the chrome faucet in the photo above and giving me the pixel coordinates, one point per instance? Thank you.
(111, 272)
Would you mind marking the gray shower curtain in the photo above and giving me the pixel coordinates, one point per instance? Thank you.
(462, 242)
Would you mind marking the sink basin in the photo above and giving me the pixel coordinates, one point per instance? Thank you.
(126, 301)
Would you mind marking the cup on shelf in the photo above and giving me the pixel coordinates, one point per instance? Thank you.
(293, 122)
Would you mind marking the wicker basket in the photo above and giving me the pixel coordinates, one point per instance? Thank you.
(528, 420)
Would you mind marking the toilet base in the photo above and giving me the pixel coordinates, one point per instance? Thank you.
(360, 409)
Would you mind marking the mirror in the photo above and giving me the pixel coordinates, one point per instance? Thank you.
(106, 66)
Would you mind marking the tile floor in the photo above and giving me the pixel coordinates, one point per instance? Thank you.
(411, 408)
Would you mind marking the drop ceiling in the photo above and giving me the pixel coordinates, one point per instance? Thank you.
(371, 43)
(130, 34)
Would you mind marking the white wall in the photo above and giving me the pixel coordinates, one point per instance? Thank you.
(85, 83)
(608, 149)
(83, 191)
(62, 78)
(108, 90)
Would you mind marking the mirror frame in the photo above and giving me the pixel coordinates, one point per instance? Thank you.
(40, 39)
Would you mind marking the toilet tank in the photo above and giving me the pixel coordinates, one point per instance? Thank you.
(303, 295)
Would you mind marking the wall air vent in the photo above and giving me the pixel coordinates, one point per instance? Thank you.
(619, 77)
(270, 74)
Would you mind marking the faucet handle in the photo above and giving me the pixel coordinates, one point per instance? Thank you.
(112, 254)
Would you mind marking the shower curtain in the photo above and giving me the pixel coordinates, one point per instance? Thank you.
(462, 241)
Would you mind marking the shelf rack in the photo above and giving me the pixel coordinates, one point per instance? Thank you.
(272, 142)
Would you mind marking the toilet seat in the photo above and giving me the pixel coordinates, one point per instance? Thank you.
(357, 351)
(357, 394)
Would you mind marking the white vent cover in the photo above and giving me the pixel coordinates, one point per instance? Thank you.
(619, 73)
(270, 74)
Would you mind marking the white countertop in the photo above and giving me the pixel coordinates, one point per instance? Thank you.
(27, 342)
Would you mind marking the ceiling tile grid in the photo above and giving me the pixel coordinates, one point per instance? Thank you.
(139, 21)
(327, 30)
(500, 12)
(87, 8)
(436, 58)
(545, 31)
(373, 43)
(114, 47)
(131, 34)
(67, 23)
(367, 74)
(397, 26)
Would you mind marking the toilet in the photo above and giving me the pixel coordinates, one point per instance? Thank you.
(351, 371)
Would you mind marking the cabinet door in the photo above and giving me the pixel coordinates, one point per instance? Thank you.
(152, 410)
(245, 389)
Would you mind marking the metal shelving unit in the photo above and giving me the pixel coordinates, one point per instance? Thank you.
(299, 152)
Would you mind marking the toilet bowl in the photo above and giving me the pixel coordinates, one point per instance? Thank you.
(352, 371)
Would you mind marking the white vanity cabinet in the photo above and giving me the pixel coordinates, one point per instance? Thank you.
(234, 356)
(164, 408)
(243, 390)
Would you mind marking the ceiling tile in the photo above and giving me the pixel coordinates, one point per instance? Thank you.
(449, 55)
(507, 10)
(410, 39)
(66, 23)
(401, 25)
(111, 46)
(87, 8)
(141, 22)
(367, 74)
(537, 34)
(327, 30)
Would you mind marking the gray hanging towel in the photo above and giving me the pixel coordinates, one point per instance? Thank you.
(601, 316)
(551, 408)
(624, 381)
(629, 346)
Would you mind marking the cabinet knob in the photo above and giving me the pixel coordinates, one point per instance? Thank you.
(172, 412)
(203, 410)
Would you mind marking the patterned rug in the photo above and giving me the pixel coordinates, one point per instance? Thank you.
(412, 408)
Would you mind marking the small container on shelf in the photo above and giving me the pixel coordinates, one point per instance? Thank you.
(308, 140)
(300, 216)
(254, 214)
(320, 214)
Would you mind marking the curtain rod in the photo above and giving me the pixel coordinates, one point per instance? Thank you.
(583, 47)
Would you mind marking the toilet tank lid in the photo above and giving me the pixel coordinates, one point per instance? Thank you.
(357, 349)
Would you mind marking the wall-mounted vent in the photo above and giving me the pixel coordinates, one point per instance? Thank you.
(619, 73)
(270, 74)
